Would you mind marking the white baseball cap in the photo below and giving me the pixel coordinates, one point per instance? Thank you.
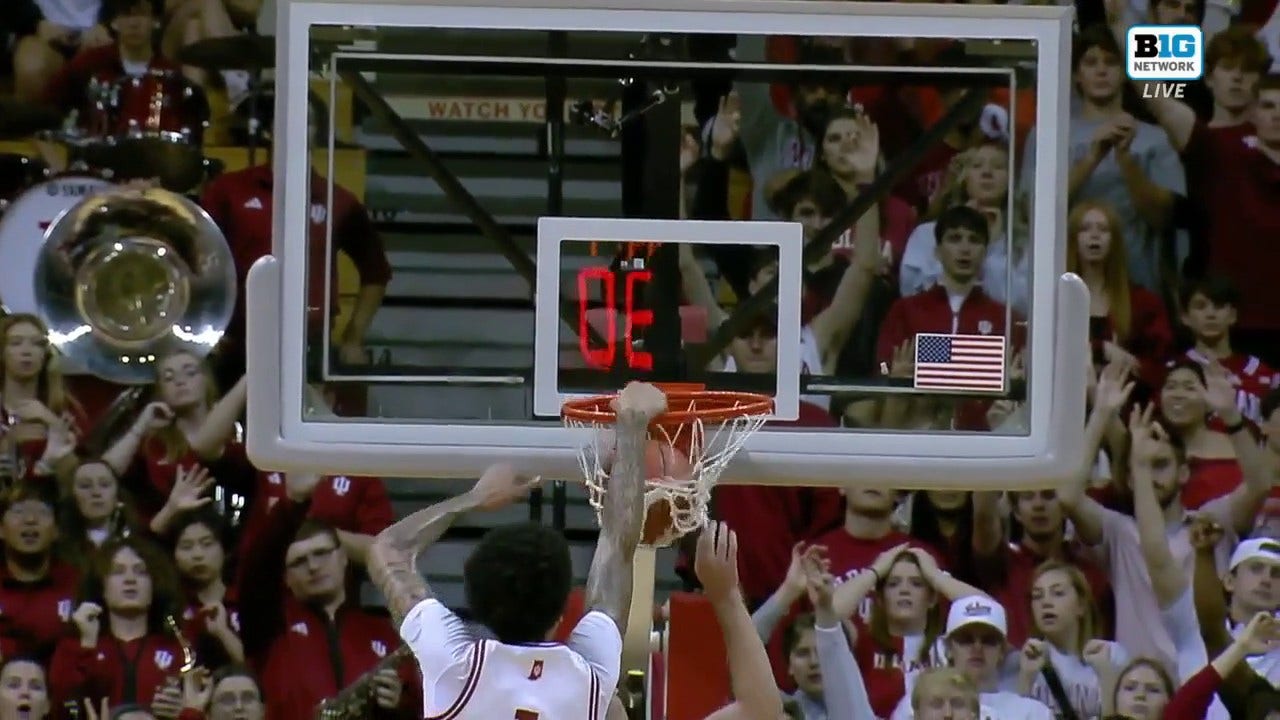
(977, 610)
(1255, 549)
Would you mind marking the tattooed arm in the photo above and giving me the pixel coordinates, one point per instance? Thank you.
(622, 517)
(393, 556)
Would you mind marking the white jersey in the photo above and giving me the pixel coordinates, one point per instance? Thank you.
(468, 679)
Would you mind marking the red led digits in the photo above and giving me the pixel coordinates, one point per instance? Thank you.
(634, 321)
(601, 358)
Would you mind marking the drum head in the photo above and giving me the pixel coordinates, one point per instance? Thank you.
(22, 234)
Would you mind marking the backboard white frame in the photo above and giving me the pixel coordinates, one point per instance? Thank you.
(279, 438)
(552, 231)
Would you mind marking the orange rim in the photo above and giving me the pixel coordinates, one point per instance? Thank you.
(710, 406)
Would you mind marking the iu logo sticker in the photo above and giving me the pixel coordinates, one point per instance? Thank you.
(163, 659)
(535, 672)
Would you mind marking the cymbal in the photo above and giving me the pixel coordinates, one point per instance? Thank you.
(19, 119)
(237, 52)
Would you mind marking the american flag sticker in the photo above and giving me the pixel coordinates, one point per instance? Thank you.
(961, 363)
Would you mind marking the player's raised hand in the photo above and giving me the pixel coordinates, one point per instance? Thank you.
(501, 485)
(716, 562)
(641, 401)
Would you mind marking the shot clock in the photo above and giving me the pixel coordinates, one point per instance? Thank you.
(598, 292)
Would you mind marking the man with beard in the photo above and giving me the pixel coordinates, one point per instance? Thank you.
(1139, 626)
(36, 590)
(774, 142)
(1005, 568)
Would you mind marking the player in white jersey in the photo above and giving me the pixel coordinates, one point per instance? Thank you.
(517, 583)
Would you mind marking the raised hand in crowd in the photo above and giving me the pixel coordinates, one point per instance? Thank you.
(725, 127)
(197, 689)
(387, 689)
(32, 410)
(1031, 662)
(167, 703)
(87, 620)
(796, 583)
(155, 416)
(191, 486)
(100, 710)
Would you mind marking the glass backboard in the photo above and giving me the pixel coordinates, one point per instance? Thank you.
(876, 145)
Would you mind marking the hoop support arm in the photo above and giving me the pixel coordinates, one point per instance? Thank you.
(637, 642)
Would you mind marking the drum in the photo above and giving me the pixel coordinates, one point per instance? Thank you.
(17, 173)
(22, 229)
(156, 127)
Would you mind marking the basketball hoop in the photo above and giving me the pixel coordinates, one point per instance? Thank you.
(674, 505)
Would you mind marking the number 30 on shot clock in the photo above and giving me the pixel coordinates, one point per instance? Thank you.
(632, 261)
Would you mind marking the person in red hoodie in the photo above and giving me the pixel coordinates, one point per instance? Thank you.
(210, 614)
(121, 648)
(37, 591)
(304, 636)
(956, 304)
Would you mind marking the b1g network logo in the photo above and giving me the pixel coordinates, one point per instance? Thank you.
(1165, 54)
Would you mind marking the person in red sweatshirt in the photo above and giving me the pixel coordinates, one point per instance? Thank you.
(120, 648)
(304, 636)
(37, 591)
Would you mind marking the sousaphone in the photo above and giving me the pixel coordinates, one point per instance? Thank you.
(130, 275)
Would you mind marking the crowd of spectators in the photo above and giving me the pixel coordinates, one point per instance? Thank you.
(1145, 589)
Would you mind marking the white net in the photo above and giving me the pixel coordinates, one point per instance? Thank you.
(686, 497)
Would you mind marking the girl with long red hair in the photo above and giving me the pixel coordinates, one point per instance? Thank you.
(1127, 323)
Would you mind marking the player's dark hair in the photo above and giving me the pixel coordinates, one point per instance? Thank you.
(1216, 289)
(962, 217)
(1094, 36)
(517, 581)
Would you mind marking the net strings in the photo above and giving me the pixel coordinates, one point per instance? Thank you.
(688, 500)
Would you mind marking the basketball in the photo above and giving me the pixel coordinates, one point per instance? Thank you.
(663, 465)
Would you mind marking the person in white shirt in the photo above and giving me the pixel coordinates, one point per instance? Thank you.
(980, 179)
(1230, 600)
(517, 584)
(976, 639)
(1066, 626)
(1156, 472)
